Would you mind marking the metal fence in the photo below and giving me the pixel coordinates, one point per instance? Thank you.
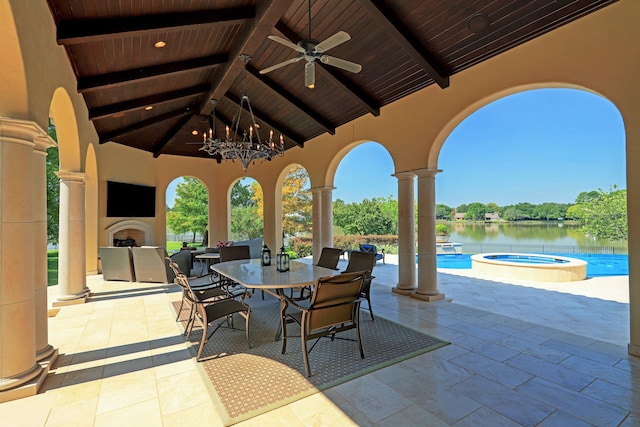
(475, 248)
(187, 237)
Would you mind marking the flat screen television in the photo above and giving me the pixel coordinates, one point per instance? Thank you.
(130, 200)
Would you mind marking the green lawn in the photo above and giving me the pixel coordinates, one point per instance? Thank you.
(52, 267)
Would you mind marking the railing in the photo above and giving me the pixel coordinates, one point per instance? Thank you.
(474, 248)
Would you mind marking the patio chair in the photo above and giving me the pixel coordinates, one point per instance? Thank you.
(374, 250)
(210, 310)
(363, 261)
(234, 253)
(329, 258)
(204, 291)
(334, 308)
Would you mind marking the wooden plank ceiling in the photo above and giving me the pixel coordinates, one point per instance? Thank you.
(153, 99)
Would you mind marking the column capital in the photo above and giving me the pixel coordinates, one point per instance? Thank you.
(25, 132)
(323, 189)
(41, 143)
(69, 176)
(427, 172)
(405, 176)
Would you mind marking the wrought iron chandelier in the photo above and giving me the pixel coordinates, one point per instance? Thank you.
(237, 144)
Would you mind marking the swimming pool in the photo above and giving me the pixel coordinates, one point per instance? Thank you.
(537, 267)
(597, 264)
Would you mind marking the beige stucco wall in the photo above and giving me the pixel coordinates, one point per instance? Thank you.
(598, 53)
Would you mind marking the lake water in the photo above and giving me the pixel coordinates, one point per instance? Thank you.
(554, 237)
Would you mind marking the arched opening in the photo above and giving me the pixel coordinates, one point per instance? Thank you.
(527, 155)
(296, 203)
(246, 210)
(365, 199)
(187, 218)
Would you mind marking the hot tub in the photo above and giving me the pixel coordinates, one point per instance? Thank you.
(534, 267)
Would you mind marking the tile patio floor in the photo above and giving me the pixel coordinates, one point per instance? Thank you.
(521, 354)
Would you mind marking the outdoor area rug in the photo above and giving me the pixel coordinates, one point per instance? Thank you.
(251, 381)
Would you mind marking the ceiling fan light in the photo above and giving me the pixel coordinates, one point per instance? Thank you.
(309, 75)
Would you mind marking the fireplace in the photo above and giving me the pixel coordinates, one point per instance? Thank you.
(129, 233)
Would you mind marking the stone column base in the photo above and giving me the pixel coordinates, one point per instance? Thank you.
(31, 387)
(428, 298)
(403, 291)
(62, 301)
(45, 353)
(633, 349)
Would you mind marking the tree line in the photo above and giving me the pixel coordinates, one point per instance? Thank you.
(602, 214)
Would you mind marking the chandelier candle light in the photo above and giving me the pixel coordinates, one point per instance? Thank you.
(246, 148)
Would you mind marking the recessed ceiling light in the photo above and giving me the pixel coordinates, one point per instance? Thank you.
(148, 108)
(478, 23)
(160, 44)
(194, 132)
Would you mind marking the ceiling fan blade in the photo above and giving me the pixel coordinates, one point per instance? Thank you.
(310, 74)
(280, 65)
(286, 43)
(341, 63)
(333, 41)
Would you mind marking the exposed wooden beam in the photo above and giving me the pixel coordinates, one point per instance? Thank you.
(119, 78)
(277, 128)
(268, 13)
(92, 30)
(281, 92)
(158, 146)
(108, 136)
(401, 35)
(135, 104)
(359, 95)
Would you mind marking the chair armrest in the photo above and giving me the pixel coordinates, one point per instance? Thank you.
(294, 304)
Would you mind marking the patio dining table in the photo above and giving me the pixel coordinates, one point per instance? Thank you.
(206, 259)
(252, 275)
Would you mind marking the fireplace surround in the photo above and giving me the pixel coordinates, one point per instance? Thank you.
(129, 232)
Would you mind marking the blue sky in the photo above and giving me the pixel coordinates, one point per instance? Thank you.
(545, 145)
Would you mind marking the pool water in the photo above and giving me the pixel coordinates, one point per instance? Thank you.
(598, 265)
(527, 259)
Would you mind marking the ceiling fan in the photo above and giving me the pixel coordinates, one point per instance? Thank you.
(310, 50)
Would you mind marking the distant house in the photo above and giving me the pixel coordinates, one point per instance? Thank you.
(491, 217)
(459, 216)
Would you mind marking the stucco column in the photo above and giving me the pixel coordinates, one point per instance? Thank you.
(316, 215)
(272, 215)
(44, 350)
(427, 267)
(72, 279)
(326, 194)
(406, 235)
(18, 366)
